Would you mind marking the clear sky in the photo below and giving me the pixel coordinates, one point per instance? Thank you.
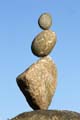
(18, 27)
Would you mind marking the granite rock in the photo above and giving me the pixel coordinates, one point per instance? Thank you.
(48, 115)
(43, 43)
(38, 83)
(45, 21)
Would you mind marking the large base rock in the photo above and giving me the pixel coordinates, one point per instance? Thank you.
(48, 115)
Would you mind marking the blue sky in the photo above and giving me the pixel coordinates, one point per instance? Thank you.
(18, 27)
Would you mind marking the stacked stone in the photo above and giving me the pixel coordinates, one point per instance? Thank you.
(38, 82)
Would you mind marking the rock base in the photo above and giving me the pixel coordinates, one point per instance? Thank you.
(48, 115)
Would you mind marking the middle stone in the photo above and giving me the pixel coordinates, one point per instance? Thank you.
(43, 43)
(38, 83)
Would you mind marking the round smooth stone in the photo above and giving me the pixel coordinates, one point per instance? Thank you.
(43, 43)
(45, 21)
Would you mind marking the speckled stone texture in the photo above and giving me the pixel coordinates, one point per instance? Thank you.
(38, 83)
(48, 115)
(43, 43)
(45, 21)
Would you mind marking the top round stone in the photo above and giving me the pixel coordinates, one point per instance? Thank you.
(45, 21)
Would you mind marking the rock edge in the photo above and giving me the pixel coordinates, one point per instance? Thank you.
(48, 115)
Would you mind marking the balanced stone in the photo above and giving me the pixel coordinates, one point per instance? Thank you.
(38, 83)
(45, 21)
(43, 43)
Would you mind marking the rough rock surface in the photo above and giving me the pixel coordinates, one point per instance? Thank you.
(48, 115)
(38, 83)
(43, 43)
(45, 21)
